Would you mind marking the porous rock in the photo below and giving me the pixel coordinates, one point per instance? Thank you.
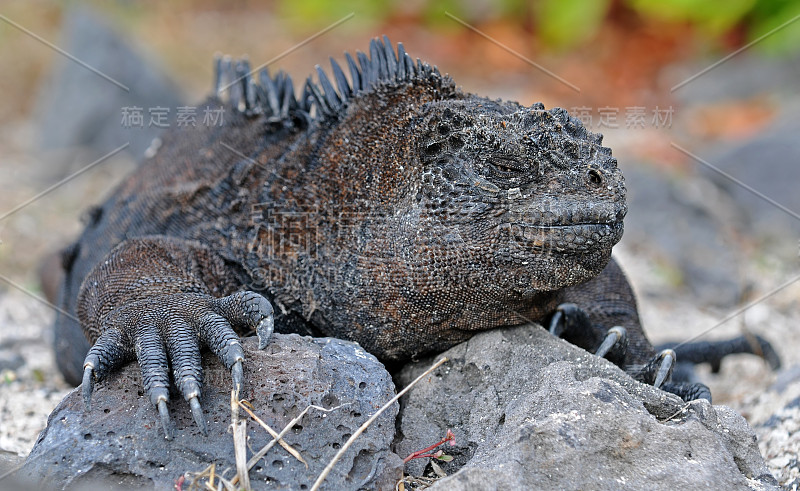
(120, 441)
(529, 410)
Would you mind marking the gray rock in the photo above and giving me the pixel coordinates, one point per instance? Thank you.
(119, 443)
(529, 410)
(9, 461)
(767, 164)
(78, 108)
(9, 360)
(746, 76)
(687, 225)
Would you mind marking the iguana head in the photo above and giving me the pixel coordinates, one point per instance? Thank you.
(530, 191)
(438, 183)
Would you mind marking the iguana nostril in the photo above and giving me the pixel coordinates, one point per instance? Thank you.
(595, 178)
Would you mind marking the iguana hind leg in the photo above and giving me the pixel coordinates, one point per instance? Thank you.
(712, 352)
(159, 300)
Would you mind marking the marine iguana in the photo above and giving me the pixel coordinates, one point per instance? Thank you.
(393, 209)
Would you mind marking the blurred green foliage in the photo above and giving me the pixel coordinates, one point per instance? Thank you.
(566, 24)
(712, 17)
(775, 14)
(774, 20)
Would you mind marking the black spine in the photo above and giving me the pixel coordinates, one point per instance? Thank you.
(275, 98)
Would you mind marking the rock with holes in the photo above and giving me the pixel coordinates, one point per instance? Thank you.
(119, 442)
(529, 410)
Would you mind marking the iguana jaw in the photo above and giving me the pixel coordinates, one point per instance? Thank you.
(550, 226)
(583, 237)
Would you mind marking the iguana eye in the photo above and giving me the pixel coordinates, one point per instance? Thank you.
(507, 166)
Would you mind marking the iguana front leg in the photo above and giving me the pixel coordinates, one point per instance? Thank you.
(159, 300)
(601, 316)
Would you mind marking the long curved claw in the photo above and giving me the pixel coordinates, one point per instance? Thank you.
(665, 370)
(197, 414)
(237, 373)
(163, 414)
(658, 370)
(159, 396)
(264, 330)
(557, 324)
(616, 339)
(87, 385)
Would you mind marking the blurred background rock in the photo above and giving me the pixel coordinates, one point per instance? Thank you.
(697, 244)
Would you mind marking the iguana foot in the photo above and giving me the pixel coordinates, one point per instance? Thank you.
(688, 392)
(169, 330)
(573, 324)
(567, 318)
(689, 354)
(658, 373)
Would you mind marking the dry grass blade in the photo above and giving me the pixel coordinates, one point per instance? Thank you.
(239, 442)
(367, 423)
(678, 412)
(415, 482)
(209, 474)
(275, 435)
(277, 438)
(257, 456)
(229, 485)
(211, 477)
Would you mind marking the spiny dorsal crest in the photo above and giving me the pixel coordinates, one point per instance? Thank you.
(274, 97)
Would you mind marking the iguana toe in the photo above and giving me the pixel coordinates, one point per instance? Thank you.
(659, 369)
(109, 352)
(615, 344)
(688, 392)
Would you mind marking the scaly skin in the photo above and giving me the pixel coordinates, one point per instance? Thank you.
(398, 212)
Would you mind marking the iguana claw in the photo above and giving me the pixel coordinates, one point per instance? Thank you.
(87, 385)
(163, 413)
(197, 414)
(264, 330)
(615, 343)
(658, 370)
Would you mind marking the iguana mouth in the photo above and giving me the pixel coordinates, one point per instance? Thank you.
(567, 238)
